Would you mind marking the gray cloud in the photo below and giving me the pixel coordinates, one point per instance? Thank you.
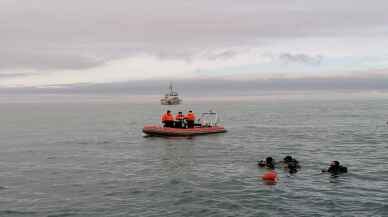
(227, 54)
(301, 58)
(44, 60)
(12, 75)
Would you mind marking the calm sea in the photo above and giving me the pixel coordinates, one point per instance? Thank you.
(91, 159)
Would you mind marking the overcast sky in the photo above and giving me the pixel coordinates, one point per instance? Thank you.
(55, 42)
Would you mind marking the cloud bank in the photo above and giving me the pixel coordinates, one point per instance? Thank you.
(53, 42)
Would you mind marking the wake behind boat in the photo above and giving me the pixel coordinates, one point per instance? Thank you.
(207, 124)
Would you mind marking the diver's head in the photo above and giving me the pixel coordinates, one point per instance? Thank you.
(269, 160)
(180, 113)
(190, 111)
(287, 158)
(168, 111)
(334, 163)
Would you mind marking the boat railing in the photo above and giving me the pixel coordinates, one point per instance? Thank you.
(209, 119)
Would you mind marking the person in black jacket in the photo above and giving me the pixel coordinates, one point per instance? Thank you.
(335, 168)
(291, 164)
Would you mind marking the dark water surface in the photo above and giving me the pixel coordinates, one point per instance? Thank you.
(91, 159)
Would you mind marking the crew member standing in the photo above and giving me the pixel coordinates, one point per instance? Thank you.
(190, 118)
(168, 119)
(179, 118)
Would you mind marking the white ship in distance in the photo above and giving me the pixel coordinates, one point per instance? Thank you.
(171, 98)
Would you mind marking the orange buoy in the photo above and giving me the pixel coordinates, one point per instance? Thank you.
(270, 176)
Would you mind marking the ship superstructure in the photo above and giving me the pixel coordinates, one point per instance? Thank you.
(171, 98)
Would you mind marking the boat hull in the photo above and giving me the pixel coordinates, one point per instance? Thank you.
(171, 101)
(155, 130)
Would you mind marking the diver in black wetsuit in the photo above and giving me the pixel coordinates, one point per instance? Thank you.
(269, 163)
(291, 164)
(335, 168)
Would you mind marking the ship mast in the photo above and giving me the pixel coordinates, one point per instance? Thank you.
(171, 88)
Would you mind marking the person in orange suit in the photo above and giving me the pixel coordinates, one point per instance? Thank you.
(190, 118)
(179, 120)
(168, 119)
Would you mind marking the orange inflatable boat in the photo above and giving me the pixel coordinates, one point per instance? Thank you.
(208, 124)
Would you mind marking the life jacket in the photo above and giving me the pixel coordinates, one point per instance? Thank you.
(167, 117)
(179, 117)
(190, 117)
